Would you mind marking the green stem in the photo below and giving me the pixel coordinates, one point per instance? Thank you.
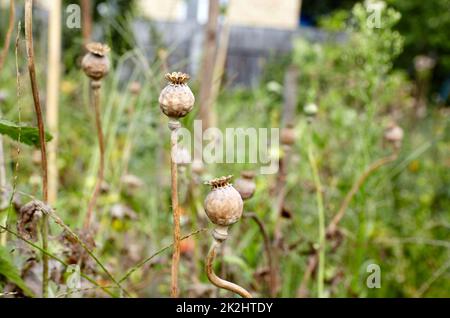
(44, 231)
(321, 215)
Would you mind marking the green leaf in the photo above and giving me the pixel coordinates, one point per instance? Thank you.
(10, 272)
(28, 135)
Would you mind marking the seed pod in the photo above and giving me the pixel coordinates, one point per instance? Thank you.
(3, 96)
(135, 88)
(310, 109)
(36, 157)
(176, 99)
(394, 135)
(246, 184)
(223, 204)
(424, 63)
(95, 63)
(287, 136)
(197, 167)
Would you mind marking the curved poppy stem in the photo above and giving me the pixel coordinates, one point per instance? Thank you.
(217, 281)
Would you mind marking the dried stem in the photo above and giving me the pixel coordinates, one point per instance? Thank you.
(208, 63)
(4, 52)
(174, 125)
(53, 71)
(268, 251)
(40, 121)
(280, 191)
(333, 226)
(86, 18)
(95, 86)
(3, 235)
(217, 281)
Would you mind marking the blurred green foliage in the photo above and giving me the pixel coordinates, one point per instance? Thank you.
(425, 26)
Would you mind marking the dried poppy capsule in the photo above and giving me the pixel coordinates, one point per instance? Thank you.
(95, 63)
(223, 204)
(176, 99)
(246, 184)
(287, 136)
(394, 135)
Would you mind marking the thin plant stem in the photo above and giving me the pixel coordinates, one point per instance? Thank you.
(333, 225)
(127, 149)
(40, 121)
(148, 259)
(3, 235)
(53, 79)
(56, 258)
(355, 188)
(208, 62)
(439, 272)
(268, 251)
(321, 215)
(174, 126)
(95, 86)
(86, 14)
(4, 52)
(77, 290)
(217, 281)
(60, 222)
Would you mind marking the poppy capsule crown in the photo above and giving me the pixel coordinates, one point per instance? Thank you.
(223, 204)
(95, 63)
(176, 99)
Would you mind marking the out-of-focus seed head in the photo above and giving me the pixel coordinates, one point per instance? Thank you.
(245, 185)
(423, 63)
(394, 135)
(3, 96)
(197, 167)
(95, 63)
(135, 88)
(176, 99)
(287, 136)
(36, 157)
(310, 109)
(132, 181)
(223, 204)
